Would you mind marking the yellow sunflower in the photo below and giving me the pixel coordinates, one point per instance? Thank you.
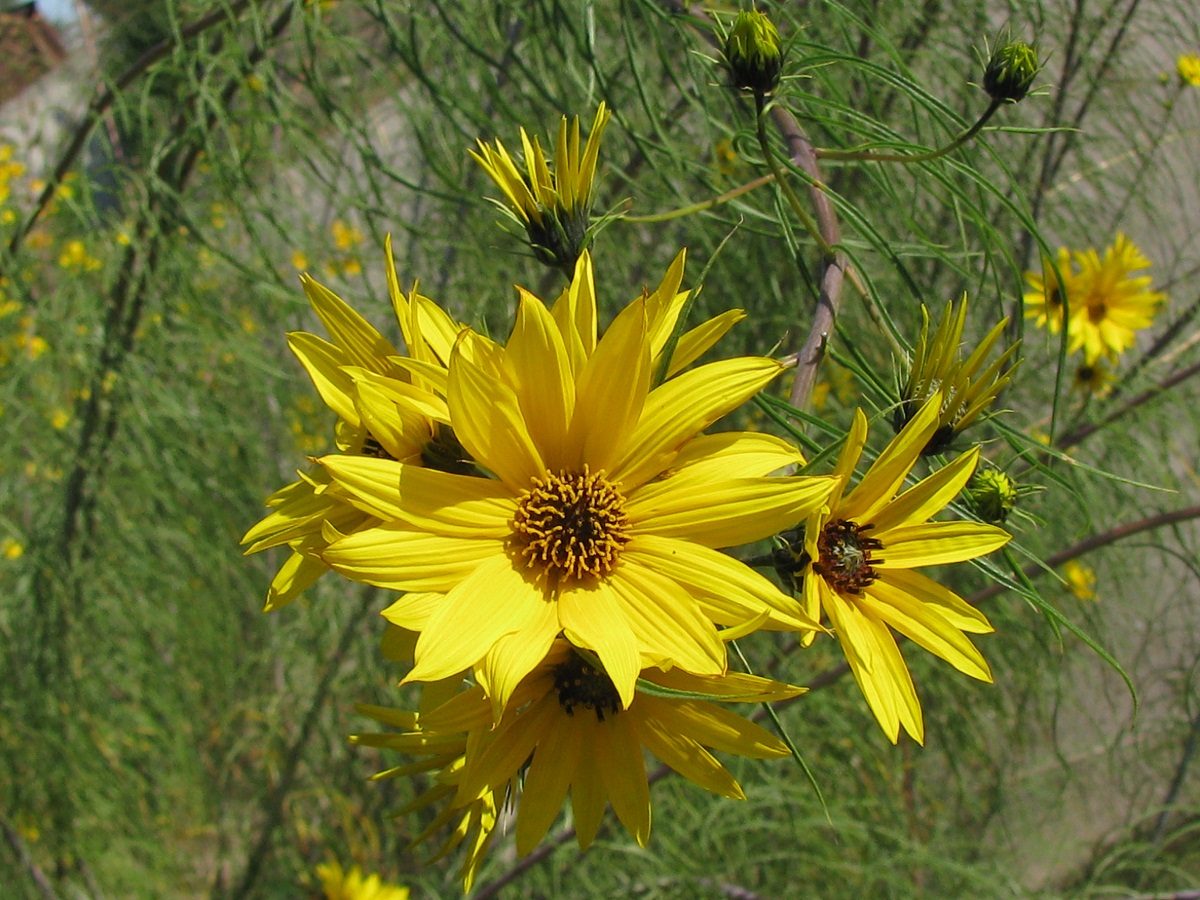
(1111, 304)
(862, 550)
(1045, 302)
(568, 723)
(604, 516)
(387, 406)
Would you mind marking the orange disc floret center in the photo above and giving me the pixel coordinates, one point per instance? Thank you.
(578, 683)
(846, 556)
(571, 525)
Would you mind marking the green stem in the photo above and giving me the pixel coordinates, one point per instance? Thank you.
(806, 219)
(875, 156)
(703, 204)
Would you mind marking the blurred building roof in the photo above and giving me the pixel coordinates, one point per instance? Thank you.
(29, 48)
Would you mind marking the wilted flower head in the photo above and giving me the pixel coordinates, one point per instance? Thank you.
(1010, 72)
(936, 368)
(992, 495)
(552, 204)
(753, 52)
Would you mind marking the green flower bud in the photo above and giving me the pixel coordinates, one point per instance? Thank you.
(992, 495)
(754, 53)
(1010, 72)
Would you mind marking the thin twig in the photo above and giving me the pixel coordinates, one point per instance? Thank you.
(102, 101)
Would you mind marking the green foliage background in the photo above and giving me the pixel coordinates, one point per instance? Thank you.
(160, 736)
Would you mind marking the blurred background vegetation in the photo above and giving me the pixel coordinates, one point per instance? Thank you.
(161, 736)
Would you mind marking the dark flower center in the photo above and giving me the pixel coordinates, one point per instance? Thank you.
(578, 683)
(845, 556)
(571, 525)
(1097, 312)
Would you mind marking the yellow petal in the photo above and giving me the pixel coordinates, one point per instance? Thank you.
(732, 454)
(925, 627)
(494, 600)
(294, 577)
(718, 728)
(587, 798)
(729, 591)
(323, 362)
(936, 543)
(539, 372)
(613, 387)
(932, 494)
(951, 607)
(888, 472)
(488, 421)
(592, 617)
(726, 514)
(700, 340)
(514, 656)
(354, 335)
(667, 622)
(623, 769)
(575, 313)
(413, 610)
(396, 557)
(688, 758)
(685, 406)
(555, 763)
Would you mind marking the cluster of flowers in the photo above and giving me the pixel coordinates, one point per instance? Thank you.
(554, 517)
(1103, 303)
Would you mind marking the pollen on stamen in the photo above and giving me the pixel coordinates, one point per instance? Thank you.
(571, 525)
(846, 556)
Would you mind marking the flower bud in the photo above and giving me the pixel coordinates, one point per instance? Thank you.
(992, 495)
(753, 52)
(1010, 72)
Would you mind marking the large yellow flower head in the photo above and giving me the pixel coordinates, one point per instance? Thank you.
(861, 553)
(1112, 304)
(605, 511)
(388, 406)
(551, 199)
(568, 730)
(1188, 67)
(936, 368)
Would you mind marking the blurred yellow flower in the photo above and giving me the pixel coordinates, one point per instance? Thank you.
(1112, 306)
(11, 549)
(218, 215)
(1080, 579)
(351, 266)
(345, 236)
(75, 256)
(60, 418)
(1095, 379)
(353, 885)
(299, 261)
(1188, 66)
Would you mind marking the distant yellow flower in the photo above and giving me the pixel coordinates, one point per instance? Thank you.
(1080, 579)
(75, 256)
(1095, 380)
(353, 885)
(861, 552)
(299, 261)
(606, 512)
(1111, 305)
(1188, 66)
(351, 266)
(345, 237)
(217, 215)
(60, 418)
(11, 549)
(1045, 302)
(552, 202)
